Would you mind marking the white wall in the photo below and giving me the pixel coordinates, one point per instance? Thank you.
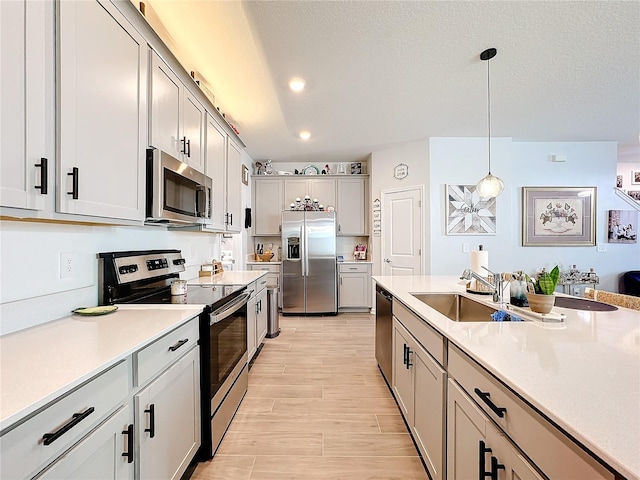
(464, 161)
(32, 291)
(382, 163)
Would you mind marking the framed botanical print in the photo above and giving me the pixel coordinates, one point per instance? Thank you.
(558, 216)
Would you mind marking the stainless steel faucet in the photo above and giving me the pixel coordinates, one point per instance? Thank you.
(497, 286)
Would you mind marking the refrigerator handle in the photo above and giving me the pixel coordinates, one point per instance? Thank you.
(306, 252)
(303, 251)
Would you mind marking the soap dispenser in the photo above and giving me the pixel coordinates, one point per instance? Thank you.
(518, 290)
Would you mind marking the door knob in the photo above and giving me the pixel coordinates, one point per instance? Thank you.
(388, 260)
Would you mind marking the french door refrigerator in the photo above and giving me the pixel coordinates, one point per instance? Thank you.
(309, 280)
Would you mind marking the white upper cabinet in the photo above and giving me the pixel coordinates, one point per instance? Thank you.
(351, 207)
(177, 118)
(24, 176)
(234, 182)
(216, 168)
(322, 188)
(102, 112)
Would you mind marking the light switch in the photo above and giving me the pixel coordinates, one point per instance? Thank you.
(465, 248)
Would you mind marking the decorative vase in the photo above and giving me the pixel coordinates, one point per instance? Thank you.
(541, 303)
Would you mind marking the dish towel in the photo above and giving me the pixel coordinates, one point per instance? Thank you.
(247, 217)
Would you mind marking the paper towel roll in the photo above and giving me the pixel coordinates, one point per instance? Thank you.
(479, 259)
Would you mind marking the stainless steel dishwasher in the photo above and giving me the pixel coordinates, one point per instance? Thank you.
(384, 331)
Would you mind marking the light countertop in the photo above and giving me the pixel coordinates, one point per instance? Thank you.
(231, 277)
(583, 374)
(39, 364)
(272, 262)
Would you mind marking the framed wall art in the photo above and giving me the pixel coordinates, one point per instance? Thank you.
(467, 213)
(623, 226)
(635, 177)
(558, 216)
(619, 181)
(245, 175)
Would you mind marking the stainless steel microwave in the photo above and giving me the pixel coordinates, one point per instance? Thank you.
(176, 193)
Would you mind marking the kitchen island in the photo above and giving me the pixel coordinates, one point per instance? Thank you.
(583, 374)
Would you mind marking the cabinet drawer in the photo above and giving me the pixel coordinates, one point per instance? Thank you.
(353, 268)
(154, 358)
(431, 340)
(550, 450)
(23, 450)
(261, 283)
(267, 267)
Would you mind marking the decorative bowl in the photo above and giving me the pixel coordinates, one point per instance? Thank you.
(264, 257)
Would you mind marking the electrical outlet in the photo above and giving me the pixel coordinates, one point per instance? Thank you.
(465, 248)
(602, 247)
(68, 264)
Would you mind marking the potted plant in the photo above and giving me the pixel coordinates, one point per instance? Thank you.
(540, 291)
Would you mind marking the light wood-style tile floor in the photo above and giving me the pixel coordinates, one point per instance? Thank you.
(317, 408)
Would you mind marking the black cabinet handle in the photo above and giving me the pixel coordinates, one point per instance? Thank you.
(226, 219)
(129, 453)
(404, 354)
(409, 364)
(484, 396)
(178, 344)
(231, 219)
(495, 466)
(44, 172)
(74, 187)
(76, 418)
(188, 148)
(152, 420)
(483, 450)
(184, 145)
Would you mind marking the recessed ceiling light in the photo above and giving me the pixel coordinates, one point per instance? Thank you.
(297, 84)
(305, 134)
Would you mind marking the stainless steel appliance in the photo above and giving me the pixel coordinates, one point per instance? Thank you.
(384, 331)
(146, 277)
(176, 193)
(309, 280)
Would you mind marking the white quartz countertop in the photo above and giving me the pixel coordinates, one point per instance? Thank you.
(583, 374)
(39, 364)
(232, 277)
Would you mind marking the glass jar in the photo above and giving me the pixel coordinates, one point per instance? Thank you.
(518, 290)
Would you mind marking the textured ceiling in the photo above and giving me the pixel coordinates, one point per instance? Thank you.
(382, 73)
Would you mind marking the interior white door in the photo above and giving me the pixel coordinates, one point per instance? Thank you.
(402, 231)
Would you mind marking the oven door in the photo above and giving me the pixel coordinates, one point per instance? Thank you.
(228, 346)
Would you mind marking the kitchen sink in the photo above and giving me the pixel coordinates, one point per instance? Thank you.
(457, 307)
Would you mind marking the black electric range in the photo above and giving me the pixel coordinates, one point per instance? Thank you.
(145, 277)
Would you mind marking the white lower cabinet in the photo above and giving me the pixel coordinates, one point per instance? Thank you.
(261, 318)
(168, 420)
(476, 448)
(354, 287)
(106, 453)
(256, 315)
(419, 387)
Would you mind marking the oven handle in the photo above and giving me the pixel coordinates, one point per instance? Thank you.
(230, 308)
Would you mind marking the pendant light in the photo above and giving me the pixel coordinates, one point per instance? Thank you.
(490, 186)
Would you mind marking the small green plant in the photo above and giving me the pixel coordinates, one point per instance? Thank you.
(546, 282)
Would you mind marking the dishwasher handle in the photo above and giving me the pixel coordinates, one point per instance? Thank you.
(386, 295)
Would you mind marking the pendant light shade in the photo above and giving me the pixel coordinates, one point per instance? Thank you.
(490, 186)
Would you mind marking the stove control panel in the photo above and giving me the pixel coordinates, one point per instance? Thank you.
(157, 264)
(139, 267)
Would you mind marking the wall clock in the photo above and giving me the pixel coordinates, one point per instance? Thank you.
(401, 171)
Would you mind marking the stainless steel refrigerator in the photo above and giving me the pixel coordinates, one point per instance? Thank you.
(309, 280)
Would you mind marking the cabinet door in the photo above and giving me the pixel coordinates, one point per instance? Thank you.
(429, 404)
(508, 460)
(262, 311)
(350, 207)
(166, 108)
(216, 168)
(466, 429)
(252, 329)
(324, 189)
(168, 420)
(353, 288)
(267, 202)
(102, 115)
(193, 131)
(22, 103)
(403, 370)
(295, 188)
(234, 183)
(101, 454)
